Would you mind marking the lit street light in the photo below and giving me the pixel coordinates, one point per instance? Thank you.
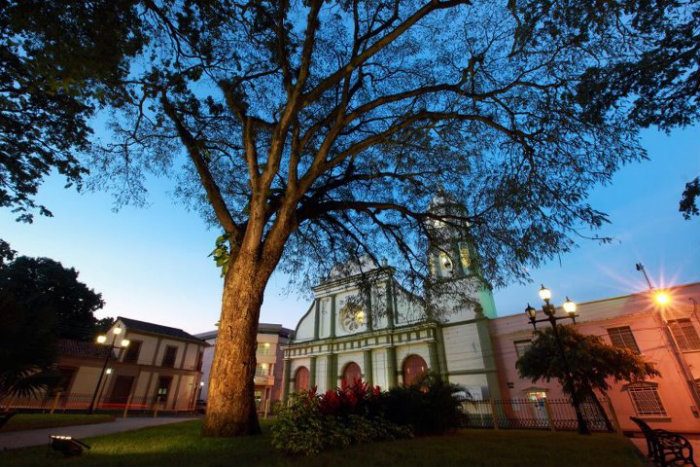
(102, 339)
(550, 312)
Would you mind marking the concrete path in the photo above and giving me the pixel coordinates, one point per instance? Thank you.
(20, 439)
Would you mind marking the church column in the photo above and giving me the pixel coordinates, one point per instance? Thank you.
(333, 317)
(332, 374)
(317, 318)
(391, 366)
(287, 378)
(312, 371)
(369, 370)
(434, 355)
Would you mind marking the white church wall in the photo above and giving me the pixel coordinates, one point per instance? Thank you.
(408, 310)
(404, 351)
(475, 385)
(462, 348)
(305, 330)
(324, 324)
(345, 358)
(322, 373)
(379, 376)
(379, 305)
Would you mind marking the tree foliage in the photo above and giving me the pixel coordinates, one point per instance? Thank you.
(28, 351)
(648, 59)
(59, 61)
(593, 363)
(689, 205)
(43, 286)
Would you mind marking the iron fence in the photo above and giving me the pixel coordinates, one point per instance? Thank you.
(541, 414)
(60, 402)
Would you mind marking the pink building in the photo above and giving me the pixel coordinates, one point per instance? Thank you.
(666, 335)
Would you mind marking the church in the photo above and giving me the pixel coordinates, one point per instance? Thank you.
(362, 324)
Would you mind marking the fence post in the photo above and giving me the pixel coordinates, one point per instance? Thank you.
(156, 405)
(548, 411)
(494, 414)
(55, 402)
(126, 407)
(615, 420)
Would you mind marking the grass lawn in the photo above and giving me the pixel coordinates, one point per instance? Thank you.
(33, 421)
(180, 444)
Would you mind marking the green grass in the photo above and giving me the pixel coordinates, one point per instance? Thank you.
(33, 421)
(181, 444)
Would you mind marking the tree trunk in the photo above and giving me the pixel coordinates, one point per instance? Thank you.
(231, 402)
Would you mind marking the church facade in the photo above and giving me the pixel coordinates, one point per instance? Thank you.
(363, 325)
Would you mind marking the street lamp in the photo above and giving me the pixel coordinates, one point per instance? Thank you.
(102, 339)
(550, 312)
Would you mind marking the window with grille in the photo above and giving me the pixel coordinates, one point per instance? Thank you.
(169, 357)
(262, 370)
(646, 400)
(685, 334)
(521, 347)
(623, 337)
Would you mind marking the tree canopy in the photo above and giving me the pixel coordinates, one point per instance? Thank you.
(648, 59)
(43, 286)
(592, 362)
(59, 61)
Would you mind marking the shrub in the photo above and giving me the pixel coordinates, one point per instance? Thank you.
(429, 407)
(312, 423)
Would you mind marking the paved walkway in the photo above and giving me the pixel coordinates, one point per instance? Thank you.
(20, 439)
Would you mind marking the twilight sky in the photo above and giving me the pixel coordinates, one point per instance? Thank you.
(152, 263)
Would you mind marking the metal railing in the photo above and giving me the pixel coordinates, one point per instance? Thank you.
(542, 414)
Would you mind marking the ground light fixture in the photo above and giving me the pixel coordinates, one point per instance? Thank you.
(67, 445)
(550, 312)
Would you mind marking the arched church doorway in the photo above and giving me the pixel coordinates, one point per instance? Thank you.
(301, 379)
(351, 374)
(414, 368)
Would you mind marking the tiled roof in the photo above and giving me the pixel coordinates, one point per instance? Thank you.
(74, 348)
(152, 328)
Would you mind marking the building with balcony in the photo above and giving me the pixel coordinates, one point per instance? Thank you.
(269, 369)
(667, 335)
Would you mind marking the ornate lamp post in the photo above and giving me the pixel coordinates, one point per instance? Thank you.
(550, 316)
(102, 339)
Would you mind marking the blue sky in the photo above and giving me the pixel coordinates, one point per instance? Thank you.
(152, 263)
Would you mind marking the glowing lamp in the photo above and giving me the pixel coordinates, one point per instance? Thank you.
(545, 293)
(531, 312)
(108, 371)
(569, 306)
(662, 298)
(67, 445)
(117, 330)
(125, 342)
(101, 339)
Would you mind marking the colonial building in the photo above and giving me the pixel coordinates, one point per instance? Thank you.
(144, 366)
(268, 373)
(666, 334)
(364, 325)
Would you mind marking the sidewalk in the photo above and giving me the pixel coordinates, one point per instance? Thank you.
(20, 439)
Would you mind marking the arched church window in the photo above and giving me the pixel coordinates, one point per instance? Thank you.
(414, 368)
(351, 375)
(301, 379)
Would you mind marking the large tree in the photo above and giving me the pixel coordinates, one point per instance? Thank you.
(41, 284)
(648, 59)
(59, 61)
(314, 132)
(589, 365)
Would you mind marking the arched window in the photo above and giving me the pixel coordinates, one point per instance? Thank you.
(301, 379)
(351, 374)
(414, 368)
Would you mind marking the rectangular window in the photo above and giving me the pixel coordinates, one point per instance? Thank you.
(169, 357)
(132, 352)
(521, 347)
(623, 337)
(163, 387)
(264, 348)
(646, 400)
(685, 334)
(262, 369)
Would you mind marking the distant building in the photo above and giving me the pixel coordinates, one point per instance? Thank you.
(667, 336)
(269, 356)
(160, 367)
